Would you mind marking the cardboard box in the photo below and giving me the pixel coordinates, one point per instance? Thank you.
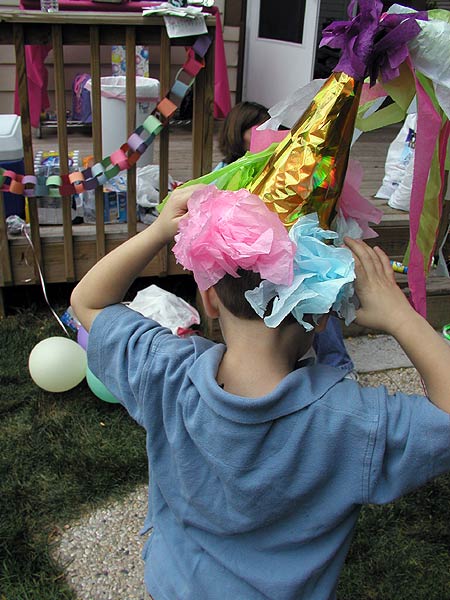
(46, 162)
(115, 207)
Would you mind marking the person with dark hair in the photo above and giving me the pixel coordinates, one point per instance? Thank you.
(235, 135)
(234, 142)
(259, 464)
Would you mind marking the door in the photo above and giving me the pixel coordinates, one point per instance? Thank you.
(279, 49)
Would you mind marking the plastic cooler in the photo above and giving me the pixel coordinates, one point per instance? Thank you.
(114, 113)
(11, 158)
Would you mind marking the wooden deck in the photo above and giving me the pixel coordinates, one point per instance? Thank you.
(65, 254)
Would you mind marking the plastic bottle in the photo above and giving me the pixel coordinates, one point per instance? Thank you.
(49, 6)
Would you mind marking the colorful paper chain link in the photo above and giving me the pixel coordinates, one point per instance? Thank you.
(128, 154)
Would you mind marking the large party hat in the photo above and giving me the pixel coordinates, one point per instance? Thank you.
(306, 172)
(406, 53)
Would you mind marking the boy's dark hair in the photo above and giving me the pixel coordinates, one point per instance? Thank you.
(241, 117)
(231, 290)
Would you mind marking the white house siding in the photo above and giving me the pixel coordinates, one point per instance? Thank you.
(77, 60)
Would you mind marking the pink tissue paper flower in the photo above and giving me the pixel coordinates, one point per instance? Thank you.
(227, 230)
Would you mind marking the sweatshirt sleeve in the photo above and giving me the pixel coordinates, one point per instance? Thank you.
(411, 446)
(128, 353)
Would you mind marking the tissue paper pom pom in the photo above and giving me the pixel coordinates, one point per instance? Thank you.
(228, 230)
(372, 43)
(322, 278)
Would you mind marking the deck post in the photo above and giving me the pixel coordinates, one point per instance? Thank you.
(131, 124)
(164, 82)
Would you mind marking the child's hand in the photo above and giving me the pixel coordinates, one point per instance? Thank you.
(175, 210)
(383, 304)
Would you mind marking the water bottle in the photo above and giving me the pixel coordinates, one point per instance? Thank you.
(49, 6)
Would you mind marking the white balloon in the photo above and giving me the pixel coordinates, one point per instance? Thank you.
(57, 364)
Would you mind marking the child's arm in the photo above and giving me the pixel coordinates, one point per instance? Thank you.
(108, 281)
(384, 306)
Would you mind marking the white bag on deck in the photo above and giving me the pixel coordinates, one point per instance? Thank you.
(400, 154)
(401, 197)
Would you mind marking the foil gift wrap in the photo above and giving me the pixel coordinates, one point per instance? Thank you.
(305, 173)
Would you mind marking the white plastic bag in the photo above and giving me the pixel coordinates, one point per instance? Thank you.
(399, 155)
(401, 197)
(166, 308)
(287, 111)
(148, 186)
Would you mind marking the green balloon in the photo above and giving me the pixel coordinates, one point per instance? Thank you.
(97, 387)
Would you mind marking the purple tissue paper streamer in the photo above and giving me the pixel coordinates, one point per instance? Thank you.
(372, 44)
(391, 50)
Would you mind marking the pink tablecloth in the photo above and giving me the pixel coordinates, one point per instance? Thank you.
(36, 55)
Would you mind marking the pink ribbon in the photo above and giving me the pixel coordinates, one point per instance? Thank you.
(428, 131)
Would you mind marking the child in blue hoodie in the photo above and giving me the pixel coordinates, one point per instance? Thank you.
(259, 464)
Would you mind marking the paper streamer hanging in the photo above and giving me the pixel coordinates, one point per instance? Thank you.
(124, 157)
(423, 84)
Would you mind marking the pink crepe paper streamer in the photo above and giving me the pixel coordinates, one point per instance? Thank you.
(262, 138)
(37, 80)
(222, 98)
(353, 205)
(226, 231)
(428, 128)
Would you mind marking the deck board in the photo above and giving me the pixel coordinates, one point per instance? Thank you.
(370, 150)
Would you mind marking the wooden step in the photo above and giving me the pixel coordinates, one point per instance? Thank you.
(393, 230)
(438, 304)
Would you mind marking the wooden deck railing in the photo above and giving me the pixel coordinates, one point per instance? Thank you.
(66, 253)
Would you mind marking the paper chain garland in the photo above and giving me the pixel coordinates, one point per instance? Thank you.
(128, 154)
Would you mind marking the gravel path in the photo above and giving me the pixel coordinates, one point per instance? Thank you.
(101, 552)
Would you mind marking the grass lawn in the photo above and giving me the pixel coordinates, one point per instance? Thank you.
(60, 454)
(64, 453)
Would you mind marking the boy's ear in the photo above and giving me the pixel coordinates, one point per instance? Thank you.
(323, 320)
(210, 302)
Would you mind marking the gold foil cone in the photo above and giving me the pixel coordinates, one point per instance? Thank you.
(306, 172)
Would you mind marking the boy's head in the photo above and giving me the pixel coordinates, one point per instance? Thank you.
(235, 135)
(238, 248)
(231, 293)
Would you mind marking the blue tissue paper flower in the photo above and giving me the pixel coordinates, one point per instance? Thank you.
(323, 276)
